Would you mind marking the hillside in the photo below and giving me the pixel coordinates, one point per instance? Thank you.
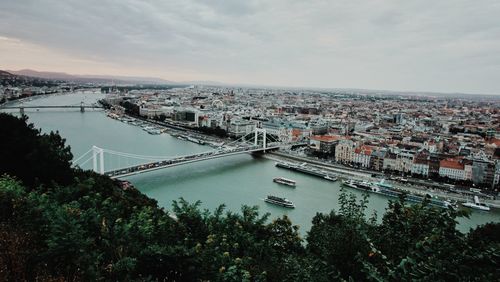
(15, 80)
(46, 75)
(92, 78)
(4, 74)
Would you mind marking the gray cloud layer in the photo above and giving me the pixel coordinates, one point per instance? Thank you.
(448, 45)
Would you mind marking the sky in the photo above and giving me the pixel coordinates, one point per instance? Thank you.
(416, 45)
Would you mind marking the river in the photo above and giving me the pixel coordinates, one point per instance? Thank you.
(233, 181)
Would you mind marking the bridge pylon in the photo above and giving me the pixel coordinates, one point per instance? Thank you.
(263, 133)
(82, 107)
(98, 151)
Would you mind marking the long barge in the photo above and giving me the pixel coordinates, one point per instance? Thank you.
(308, 170)
(385, 189)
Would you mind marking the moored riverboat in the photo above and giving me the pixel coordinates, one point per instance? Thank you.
(361, 185)
(476, 205)
(305, 168)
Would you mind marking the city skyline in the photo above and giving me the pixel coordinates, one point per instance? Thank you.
(451, 46)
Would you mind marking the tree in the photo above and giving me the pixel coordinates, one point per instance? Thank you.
(34, 158)
(339, 239)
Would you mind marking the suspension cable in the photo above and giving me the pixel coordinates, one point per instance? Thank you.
(137, 155)
(79, 158)
(82, 164)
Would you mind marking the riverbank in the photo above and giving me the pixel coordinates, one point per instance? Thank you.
(178, 131)
(345, 172)
(348, 173)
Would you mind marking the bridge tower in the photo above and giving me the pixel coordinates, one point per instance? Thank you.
(82, 107)
(21, 110)
(98, 151)
(263, 133)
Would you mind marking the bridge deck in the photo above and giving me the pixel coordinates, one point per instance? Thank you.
(132, 170)
(51, 107)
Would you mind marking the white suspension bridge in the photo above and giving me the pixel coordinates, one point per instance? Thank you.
(257, 141)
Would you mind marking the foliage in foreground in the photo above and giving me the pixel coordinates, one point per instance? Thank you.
(82, 226)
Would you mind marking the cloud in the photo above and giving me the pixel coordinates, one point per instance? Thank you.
(407, 45)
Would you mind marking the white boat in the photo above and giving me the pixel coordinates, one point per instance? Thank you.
(331, 177)
(383, 184)
(350, 183)
(285, 181)
(279, 201)
(154, 131)
(361, 185)
(448, 204)
(476, 205)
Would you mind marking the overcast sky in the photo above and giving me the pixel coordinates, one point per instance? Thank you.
(446, 45)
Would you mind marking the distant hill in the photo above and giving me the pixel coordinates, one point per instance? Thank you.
(43, 74)
(15, 80)
(151, 80)
(107, 79)
(206, 82)
(4, 74)
(92, 78)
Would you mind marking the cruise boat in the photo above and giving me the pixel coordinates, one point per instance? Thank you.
(194, 140)
(414, 198)
(476, 205)
(282, 180)
(154, 131)
(361, 185)
(382, 184)
(448, 204)
(331, 177)
(305, 168)
(349, 183)
(113, 115)
(279, 201)
(386, 189)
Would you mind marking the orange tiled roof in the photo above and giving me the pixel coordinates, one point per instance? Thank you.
(365, 150)
(451, 163)
(327, 138)
(494, 141)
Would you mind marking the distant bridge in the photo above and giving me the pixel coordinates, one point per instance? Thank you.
(241, 146)
(82, 106)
